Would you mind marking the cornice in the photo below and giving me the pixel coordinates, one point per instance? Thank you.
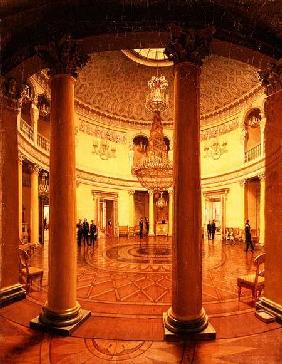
(256, 168)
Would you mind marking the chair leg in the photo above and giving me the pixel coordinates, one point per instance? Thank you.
(239, 292)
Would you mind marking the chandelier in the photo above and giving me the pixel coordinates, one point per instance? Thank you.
(155, 171)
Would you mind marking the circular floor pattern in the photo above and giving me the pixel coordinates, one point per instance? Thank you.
(141, 253)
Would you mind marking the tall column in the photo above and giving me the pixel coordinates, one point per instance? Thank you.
(62, 313)
(262, 129)
(10, 288)
(34, 204)
(261, 209)
(170, 211)
(151, 213)
(20, 178)
(187, 315)
(131, 209)
(34, 114)
(271, 301)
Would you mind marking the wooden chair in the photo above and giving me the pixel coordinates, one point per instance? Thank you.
(253, 281)
(28, 272)
(123, 231)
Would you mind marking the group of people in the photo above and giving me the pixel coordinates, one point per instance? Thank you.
(143, 227)
(86, 233)
(211, 230)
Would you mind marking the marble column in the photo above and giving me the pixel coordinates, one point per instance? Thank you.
(261, 209)
(151, 213)
(271, 301)
(262, 129)
(34, 114)
(170, 211)
(131, 209)
(10, 288)
(20, 178)
(62, 313)
(34, 204)
(187, 316)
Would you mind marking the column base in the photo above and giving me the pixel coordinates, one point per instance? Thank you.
(11, 294)
(265, 304)
(58, 323)
(199, 329)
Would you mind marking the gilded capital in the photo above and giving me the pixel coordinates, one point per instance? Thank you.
(63, 56)
(131, 192)
(271, 77)
(190, 45)
(21, 157)
(34, 168)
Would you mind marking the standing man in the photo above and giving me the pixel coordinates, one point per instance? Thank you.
(79, 232)
(93, 231)
(147, 225)
(141, 228)
(248, 236)
(85, 231)
(209, 230)
(213, 227)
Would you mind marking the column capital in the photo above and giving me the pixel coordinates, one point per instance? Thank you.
(34, 168)
(63, 56)
(131, 192)
(12, 93)
(189, 45)
(261, 176)
(271, 77)
(151, 192)
(170, 191)
(21, 157)
(243, 181)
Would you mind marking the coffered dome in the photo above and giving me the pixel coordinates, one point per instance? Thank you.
(115, 85)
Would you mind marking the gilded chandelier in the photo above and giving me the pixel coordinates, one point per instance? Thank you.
(155, 171)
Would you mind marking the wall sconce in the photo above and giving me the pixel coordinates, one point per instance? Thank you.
(215, 149)
(104, 149)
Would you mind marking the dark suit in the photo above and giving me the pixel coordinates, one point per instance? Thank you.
(212, 230)
(85, 231)
(93, 233)
(248, 237)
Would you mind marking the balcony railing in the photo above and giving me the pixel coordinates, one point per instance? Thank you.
(253, 153)
(26, 129)
(43, 143)
(39, 141)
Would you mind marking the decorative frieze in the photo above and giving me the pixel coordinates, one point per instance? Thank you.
(102, 133)
(221, 129)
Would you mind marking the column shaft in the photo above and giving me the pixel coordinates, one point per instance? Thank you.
(62, 245)
(34, 206)
(20, 179)
(10, 289)
(187, 275)
(261, 211)
(170, 213)
(151, 214)
(131, 212)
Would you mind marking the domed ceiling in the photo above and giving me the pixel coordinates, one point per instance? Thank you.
(115, 85)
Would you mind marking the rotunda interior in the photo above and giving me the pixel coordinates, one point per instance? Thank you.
(99, 261)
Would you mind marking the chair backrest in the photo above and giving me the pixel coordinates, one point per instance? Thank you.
(259, 263)
(24, 260)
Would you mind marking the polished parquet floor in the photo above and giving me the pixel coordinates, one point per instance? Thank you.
(126, 283)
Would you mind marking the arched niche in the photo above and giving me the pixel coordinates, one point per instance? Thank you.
(252, 128)
(140, 145)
